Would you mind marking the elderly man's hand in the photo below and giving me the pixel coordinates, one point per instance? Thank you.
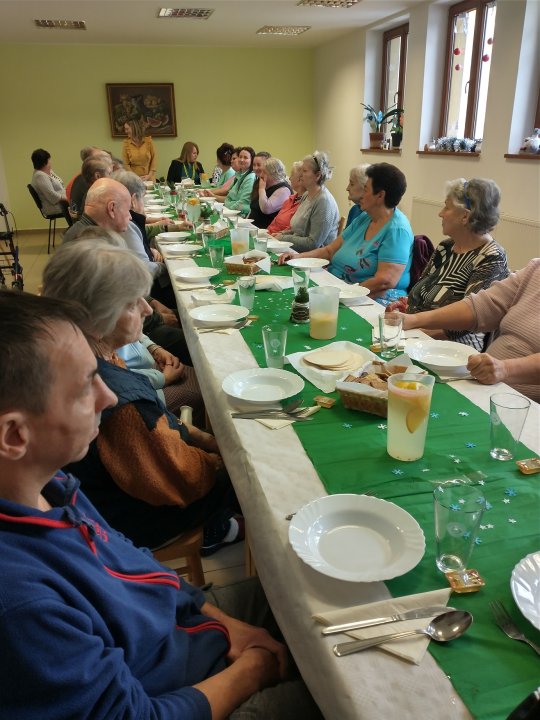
(487, 369)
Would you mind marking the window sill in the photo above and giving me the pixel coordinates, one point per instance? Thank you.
(522, 156)
(448, 153)
(395, 151)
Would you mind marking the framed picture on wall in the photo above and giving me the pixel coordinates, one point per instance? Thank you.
(149, 103)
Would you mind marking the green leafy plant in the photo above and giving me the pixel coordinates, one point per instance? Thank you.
(302, 295)
(397, 125)
(377, 118)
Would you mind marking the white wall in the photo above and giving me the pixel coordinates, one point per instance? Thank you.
(340, 87)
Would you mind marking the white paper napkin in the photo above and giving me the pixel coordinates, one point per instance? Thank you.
(326, 380)
(211, 297)
(278, 424)
(412, 649)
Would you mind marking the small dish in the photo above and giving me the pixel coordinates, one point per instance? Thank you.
(442, 356)
(308, 263)
(525, 586)
(195, 274)
(278, 246)
(168, 236)
(230, 213)
(262, 386)
(353, 295)
(218, 315)
(182, 249)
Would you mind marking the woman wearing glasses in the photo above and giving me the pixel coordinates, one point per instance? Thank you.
(315, 223)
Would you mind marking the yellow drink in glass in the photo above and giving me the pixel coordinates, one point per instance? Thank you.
(409, 400)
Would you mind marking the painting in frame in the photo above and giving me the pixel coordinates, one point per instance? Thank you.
(151, 103)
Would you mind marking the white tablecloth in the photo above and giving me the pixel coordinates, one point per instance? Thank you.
(273, 477)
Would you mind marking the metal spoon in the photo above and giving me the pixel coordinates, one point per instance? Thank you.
(442, 628)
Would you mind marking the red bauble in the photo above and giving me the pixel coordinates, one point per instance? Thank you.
(458, 67)
(457, 51)
(490, 41)
(485, 57)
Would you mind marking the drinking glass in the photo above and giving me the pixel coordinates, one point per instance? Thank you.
(300, 279)
(193, 209)
(275, 342)
(239, 241)
(261, 244)
(323, 312)
(390, 329)
(246, 291)
(409, 400)
(252, 232)
(508, 413)
(217, 254)
(458, 510)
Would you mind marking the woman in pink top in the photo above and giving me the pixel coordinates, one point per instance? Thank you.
(509, 307)
(282, 221)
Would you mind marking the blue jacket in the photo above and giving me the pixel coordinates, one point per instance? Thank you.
(93, 628)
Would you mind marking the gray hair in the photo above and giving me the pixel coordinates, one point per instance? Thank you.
(86, 151)
(131, 181)
(275, 169)
(103, 278)
(358, 173)
(99, 164)
(296, 167)
(481, 197)
(319, 163)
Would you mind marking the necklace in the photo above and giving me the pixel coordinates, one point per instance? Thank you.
(186, 170)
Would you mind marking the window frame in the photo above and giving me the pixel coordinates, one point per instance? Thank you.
(400, 31)
(481, 7)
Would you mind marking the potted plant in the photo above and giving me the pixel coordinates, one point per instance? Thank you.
(396, 131)
(377, 119)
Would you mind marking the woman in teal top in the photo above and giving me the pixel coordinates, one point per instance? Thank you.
(376, 249)
(239, 196)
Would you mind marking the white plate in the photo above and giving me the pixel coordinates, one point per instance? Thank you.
(230, 213)
(442, 356)
(158, 215)
(278, 245)
(525, 586)
(182, 249)
(357, 538)
(167, 236)
(308, 263)
(352, 295)
(156, 205)
(262, 386)
(218, 315)
(245, 222)
(195, 274)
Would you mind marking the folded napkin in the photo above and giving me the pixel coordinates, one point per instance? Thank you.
(278, 424)
(263, 264)
(272, 283)
(412, 649)
(326, 380)
(211, 297)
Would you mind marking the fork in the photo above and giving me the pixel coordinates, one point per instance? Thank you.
(504, 621)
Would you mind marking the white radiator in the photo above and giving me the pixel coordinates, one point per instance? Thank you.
(520, 237)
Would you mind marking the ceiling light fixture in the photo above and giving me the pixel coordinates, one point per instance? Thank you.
(61, 24)
(195, 13)
(329, 3)
(290, 30)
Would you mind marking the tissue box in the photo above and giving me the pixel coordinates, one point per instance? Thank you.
(367, 389)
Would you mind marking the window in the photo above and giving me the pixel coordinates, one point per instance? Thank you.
(393, 66)
(471, 25)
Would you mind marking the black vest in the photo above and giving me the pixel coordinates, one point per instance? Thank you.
(262, 220)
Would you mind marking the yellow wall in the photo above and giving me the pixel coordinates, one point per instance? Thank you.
(54, 97)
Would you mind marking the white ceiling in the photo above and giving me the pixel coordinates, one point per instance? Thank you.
(233, 22)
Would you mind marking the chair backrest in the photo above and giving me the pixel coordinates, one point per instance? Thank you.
(341, 225)
(422, 251)
(36, 198)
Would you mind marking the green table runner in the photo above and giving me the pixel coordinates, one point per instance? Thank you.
(348, 449)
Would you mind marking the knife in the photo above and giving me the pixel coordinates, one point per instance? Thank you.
(409, 615)
(270, 416)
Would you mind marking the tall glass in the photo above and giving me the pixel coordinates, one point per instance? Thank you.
(458, 510)
(193, 209)
(409, 400)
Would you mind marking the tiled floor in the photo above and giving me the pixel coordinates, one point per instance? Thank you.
(225, 566)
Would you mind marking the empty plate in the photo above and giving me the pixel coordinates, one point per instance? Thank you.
(357, 538)
(308, 263)
(525, 586)
(278, 246)
(218, 315)
(442, 356)
(167, 236)
(262, 385)
(195, 274)
(230, 213)
(353, 295)
(182, 249)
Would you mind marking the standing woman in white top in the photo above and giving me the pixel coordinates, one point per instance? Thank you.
(315, 223)
(49, 186)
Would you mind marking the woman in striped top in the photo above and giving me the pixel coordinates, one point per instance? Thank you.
(469, 260)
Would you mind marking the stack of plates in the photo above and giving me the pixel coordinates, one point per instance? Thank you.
(335, 360)
(182, 249)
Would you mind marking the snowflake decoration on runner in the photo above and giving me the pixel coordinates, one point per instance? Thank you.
(397, 471)
(510, 492)
(382, 426)
(470, 445)
(435, 415)
(463, 413)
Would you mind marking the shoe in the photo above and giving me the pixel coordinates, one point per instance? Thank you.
(215, 534)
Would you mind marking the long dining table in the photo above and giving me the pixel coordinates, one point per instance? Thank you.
(273, 476)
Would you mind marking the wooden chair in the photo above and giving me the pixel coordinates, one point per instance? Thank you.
(51, 218)
(340, 226)
(185, 548)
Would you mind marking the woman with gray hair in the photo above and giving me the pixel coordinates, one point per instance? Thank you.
(151, 476)
(273, 189)
(282, 221)
(355, 189)
(315, 223)
(469, 259)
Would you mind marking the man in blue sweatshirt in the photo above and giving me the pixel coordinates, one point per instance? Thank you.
(92, 627)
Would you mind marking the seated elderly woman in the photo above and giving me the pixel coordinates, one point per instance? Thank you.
(186, 167)
(467, 261)
(282, 221)
(355, 190)
(272, 191)
(507, 308)
(315, 223)
(375, 250)
(150, 476)
(48, 185)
